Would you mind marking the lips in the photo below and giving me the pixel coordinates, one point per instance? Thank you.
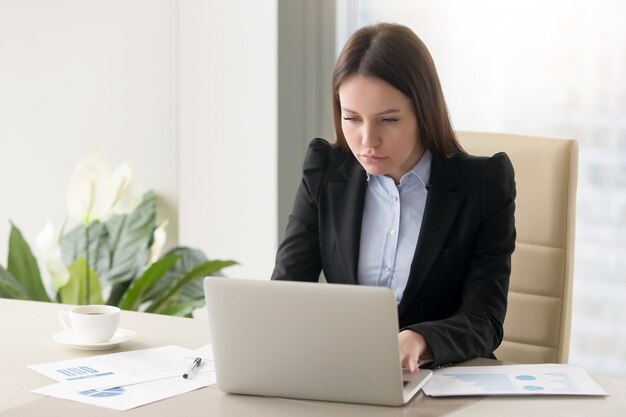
(373, 159)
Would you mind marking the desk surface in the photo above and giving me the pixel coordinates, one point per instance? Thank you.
(27, 329)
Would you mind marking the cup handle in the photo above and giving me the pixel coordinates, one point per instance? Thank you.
(64, 318)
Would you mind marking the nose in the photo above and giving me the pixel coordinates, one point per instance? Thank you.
(369, 136)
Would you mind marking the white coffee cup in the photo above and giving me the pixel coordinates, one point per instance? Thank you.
(91, 323)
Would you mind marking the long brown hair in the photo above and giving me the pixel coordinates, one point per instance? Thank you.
(397, 56)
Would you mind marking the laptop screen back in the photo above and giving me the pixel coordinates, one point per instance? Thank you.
(305, 340)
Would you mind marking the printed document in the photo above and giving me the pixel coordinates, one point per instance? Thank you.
(125, 380)
(542, 379)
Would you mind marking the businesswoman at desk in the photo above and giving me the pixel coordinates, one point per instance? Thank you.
(396, 202)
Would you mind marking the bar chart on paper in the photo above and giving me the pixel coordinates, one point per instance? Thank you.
(80, 372)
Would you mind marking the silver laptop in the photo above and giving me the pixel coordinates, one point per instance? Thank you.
(308, 340)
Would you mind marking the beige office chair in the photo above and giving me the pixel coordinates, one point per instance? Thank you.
(537, 324)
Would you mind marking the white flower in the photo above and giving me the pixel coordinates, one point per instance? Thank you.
(90, 195)
(96, 192)
(128, 188)
(48, 245)
(158, 242)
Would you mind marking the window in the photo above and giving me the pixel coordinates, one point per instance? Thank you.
(550, 68)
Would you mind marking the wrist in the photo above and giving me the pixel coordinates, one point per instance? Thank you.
(423, 349)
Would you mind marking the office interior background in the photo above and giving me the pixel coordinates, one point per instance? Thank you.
(215, 101)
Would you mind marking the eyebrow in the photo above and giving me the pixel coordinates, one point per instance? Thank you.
(389, 111)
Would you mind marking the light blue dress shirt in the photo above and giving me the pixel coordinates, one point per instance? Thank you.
(392, 219)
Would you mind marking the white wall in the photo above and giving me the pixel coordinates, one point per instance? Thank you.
(79, 75)
(228, 131)
(185, 89)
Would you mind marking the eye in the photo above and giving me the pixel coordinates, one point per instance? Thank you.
(350, 119)
(390, 120)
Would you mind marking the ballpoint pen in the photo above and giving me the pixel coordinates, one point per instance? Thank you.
(196, 363)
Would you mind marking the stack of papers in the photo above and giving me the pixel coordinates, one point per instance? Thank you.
(125, 380)
(543, 379)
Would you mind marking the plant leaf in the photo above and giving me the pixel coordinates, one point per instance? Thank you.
(171, 294)
(182, 309)
(73, 246)
(133, 297)
(118, 249)
(76, 289)
(10, 287)
(117, 292)
(188, 259)
(129, 241)
(23, 266)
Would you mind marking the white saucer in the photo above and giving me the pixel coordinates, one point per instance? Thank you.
(66, 337)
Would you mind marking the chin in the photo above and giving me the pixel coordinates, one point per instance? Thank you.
(374, 171)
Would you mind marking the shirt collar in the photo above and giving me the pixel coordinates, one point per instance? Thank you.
(421, 170)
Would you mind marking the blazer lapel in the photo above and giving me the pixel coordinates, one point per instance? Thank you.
(442, 207)
(347, 198)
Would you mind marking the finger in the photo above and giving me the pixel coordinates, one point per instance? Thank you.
(410, 363)
(414, 361)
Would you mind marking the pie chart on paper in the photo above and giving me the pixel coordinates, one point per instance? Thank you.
(110, 392)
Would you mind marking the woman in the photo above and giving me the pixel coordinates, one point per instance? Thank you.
(396, 202)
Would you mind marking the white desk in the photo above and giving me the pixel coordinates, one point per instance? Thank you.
(27, 329)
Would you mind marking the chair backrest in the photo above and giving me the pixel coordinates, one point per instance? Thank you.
(537, 324)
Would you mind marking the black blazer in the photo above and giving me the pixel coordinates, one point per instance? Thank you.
(456, 295)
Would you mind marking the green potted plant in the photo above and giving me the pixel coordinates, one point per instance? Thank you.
(111, 254)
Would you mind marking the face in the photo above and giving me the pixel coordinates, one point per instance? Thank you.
(379, 125)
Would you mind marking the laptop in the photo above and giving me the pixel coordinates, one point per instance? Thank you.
(308, 341)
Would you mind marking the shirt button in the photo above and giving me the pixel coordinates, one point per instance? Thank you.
(393, 232)
(387, 268)
(395, 199)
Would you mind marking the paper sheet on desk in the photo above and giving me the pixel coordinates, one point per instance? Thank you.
(127, 397)
(542, 379)
(123, 368)
(127, 379)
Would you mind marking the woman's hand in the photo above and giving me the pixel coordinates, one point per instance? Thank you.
(413, 350)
